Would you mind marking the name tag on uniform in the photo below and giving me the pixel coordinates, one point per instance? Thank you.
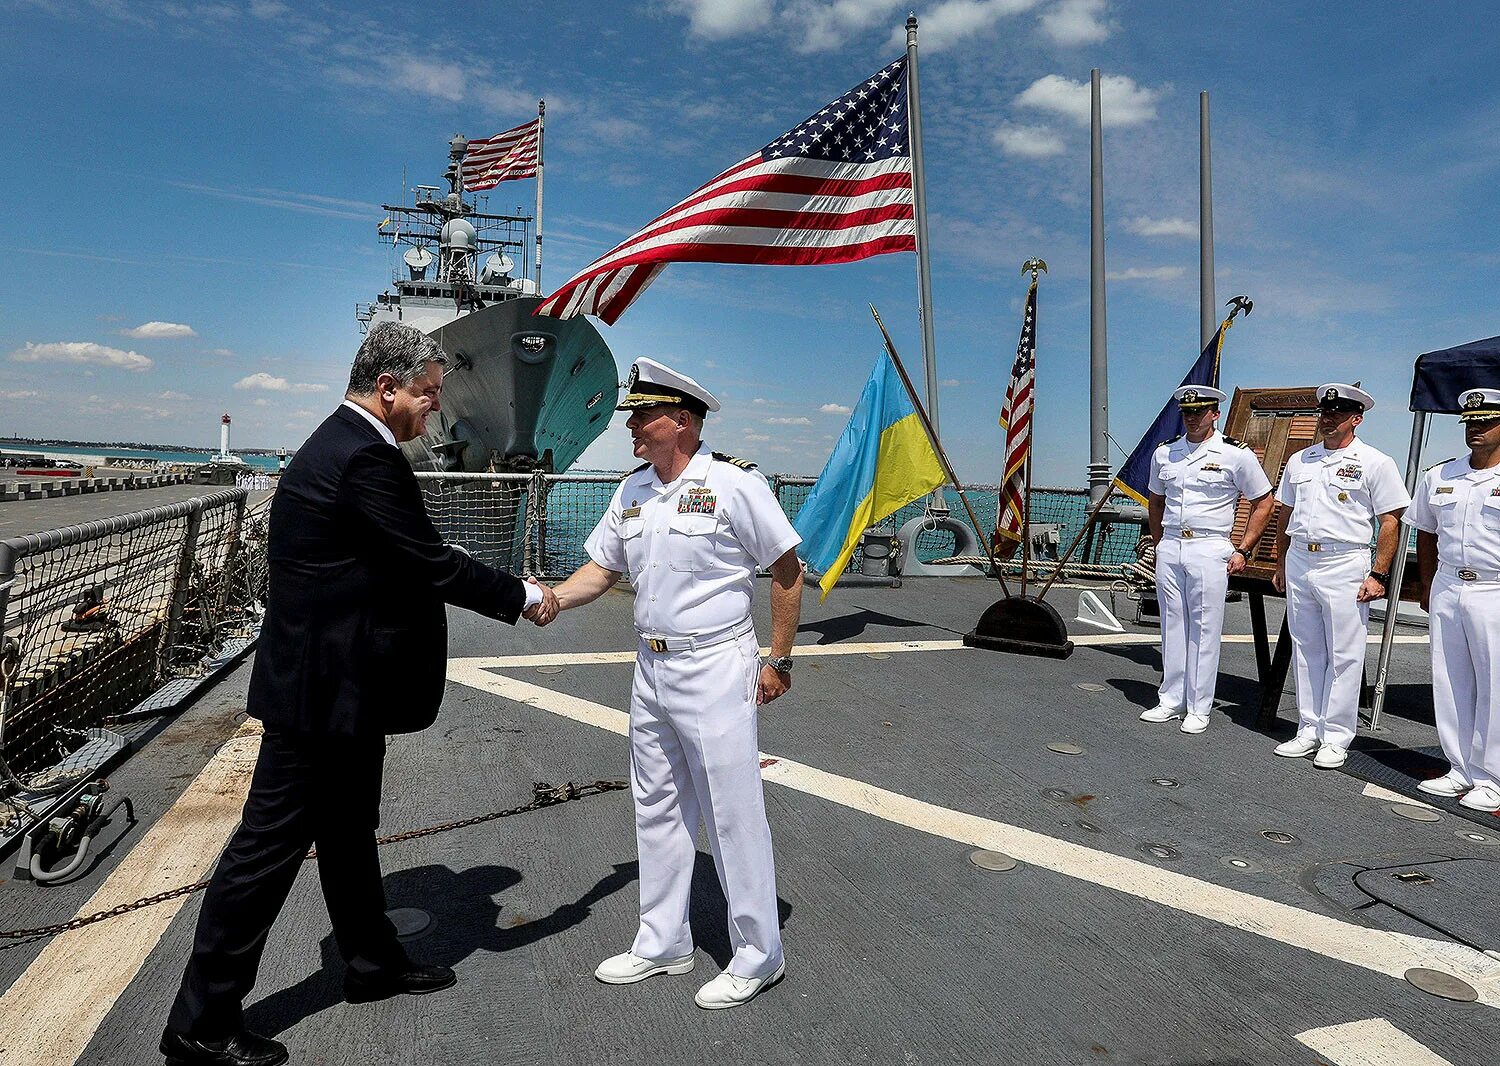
(631, 512)
(700, 502)
(1443, 490)
(1212, 467)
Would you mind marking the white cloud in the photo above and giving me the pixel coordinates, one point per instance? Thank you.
(446, 81)
(21, 394)
(710, 364)
(1075, 22)
(1029, 142)
(265, 381)
(170, 395)
(949, 383)
(760, 400)
(955, 21)
(1122, 102)
(1163, 273)
(81, 352)
(267, 9)
(823, 26)
(835, 409)
(759, 438)
(261, 401)
(798, 421)
(1161, 227)
(221, 351)
(716, 20)
(159, 331)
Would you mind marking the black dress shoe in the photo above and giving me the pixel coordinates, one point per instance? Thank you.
(413, 981)
(242, 1049)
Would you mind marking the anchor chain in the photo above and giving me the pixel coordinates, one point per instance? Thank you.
(544, 795)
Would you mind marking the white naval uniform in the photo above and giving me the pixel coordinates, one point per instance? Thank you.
(1334, 496)
(1462, 506)
(691, 549)
(1202, 484)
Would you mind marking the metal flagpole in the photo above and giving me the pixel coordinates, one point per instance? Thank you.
(1208, 305)
(1098, 354)
(541, 131)
(1398, 571)
(924, 269)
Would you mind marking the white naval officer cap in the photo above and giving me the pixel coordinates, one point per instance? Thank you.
(1337, 396)
(650, 383)
(1194, 397)
(1478, 405)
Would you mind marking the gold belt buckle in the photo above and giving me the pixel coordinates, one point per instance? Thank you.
(1188, 534)
(1468, 575)
(656, 644)
(1314, 546)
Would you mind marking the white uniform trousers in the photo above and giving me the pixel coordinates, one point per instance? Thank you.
(1328, 628)
(694, 753)
(1464, 624)
(1191, 580)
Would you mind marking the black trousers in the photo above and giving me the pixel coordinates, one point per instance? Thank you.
(306, 790)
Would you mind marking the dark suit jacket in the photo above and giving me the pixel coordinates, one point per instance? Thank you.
(355, 637)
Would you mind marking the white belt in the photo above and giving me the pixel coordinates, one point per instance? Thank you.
(702, 640)
(1330, 546)
(1190, 534)
(1468, 573)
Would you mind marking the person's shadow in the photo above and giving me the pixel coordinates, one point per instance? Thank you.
(708, 911)
(466, 918)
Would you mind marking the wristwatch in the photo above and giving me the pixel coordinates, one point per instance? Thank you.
(1384, 579)
(782, 664)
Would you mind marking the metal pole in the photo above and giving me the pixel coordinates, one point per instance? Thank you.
(541, 133)
(924, 268)
(1098, 354)
(1398, 570)
(1208, 304)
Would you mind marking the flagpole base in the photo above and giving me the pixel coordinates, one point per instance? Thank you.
(1022, 625)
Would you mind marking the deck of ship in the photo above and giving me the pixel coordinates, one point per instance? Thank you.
(1149, 919)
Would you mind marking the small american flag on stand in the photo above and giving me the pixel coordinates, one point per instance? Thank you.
(506, 156)
(1015, 417)
(833, 189)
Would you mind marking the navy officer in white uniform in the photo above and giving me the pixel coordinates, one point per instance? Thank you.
(1456, 513)
(1335, 489)
(1196, 483)
(691, 527)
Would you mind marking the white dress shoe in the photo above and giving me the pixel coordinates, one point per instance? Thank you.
(1449, 785)
(1330, 756)
(1482, 798)
(730, 990)
(1194, 723)
(1160, 713)
(1297, 747)
(628, 968)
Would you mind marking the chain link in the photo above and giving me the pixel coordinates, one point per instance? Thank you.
(544, 795)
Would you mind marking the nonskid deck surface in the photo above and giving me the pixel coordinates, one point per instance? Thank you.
(1149, 919)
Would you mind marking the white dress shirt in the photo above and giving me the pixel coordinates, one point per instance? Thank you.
(1335, 495)
(1202, 483)
(1462, 506)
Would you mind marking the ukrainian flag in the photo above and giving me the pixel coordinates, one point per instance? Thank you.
(883, 462)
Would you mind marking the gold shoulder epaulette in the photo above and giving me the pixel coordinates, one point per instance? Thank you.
(743, 464)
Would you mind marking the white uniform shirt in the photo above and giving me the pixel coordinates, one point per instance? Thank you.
(1462, 506)
(1203, 482)
(691, 548)
(1335, 495)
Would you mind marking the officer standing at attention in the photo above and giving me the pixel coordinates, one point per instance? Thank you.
(690, 527)
(1335, 490)
(1196, 482)
(1456, 513)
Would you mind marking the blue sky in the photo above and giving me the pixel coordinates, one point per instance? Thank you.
(193, 191)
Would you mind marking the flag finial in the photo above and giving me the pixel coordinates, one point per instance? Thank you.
(1239, 303)
(1033, 265)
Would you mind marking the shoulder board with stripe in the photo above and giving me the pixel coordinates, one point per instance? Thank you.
(637, 470)
(743, 464)
(1171, 440)
(1234, 441)
(1439, 463)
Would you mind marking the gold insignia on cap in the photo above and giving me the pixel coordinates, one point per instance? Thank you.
(632, 377)
(1474, 399)
(1330, 394)
(1190, 396)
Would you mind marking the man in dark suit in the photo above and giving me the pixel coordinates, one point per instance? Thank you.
(353, 647)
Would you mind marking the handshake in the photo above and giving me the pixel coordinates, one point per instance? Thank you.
(544, 612)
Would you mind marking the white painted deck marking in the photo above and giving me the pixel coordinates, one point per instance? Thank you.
(51, 1012)
(1376, 950)
(1373, 1042)
(1387, 796)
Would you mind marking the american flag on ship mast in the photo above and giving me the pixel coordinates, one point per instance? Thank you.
(1015, 419)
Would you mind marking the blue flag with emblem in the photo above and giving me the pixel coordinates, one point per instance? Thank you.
(1136, 473)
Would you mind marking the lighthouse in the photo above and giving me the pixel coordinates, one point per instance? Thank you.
(224, 436)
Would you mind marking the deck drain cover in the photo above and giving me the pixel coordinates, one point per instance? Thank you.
(1165, 782)
(1239, 862)
(1091, 686)
(879, 655)
(410, 922)
(1437, 983)
(1062, 795)
(1474, 836)
(1161, 851)
(549, 669)
(1090, 826)
(1275, 836)
(1063, 748)
(1416, 814)
(997, 861)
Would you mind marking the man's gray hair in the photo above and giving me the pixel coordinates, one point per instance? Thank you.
(394, 349)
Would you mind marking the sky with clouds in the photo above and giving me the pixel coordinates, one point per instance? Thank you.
(194, 190)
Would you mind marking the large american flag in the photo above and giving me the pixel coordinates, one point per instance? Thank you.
(506, 156)
(833, 189)
(1015, 417)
